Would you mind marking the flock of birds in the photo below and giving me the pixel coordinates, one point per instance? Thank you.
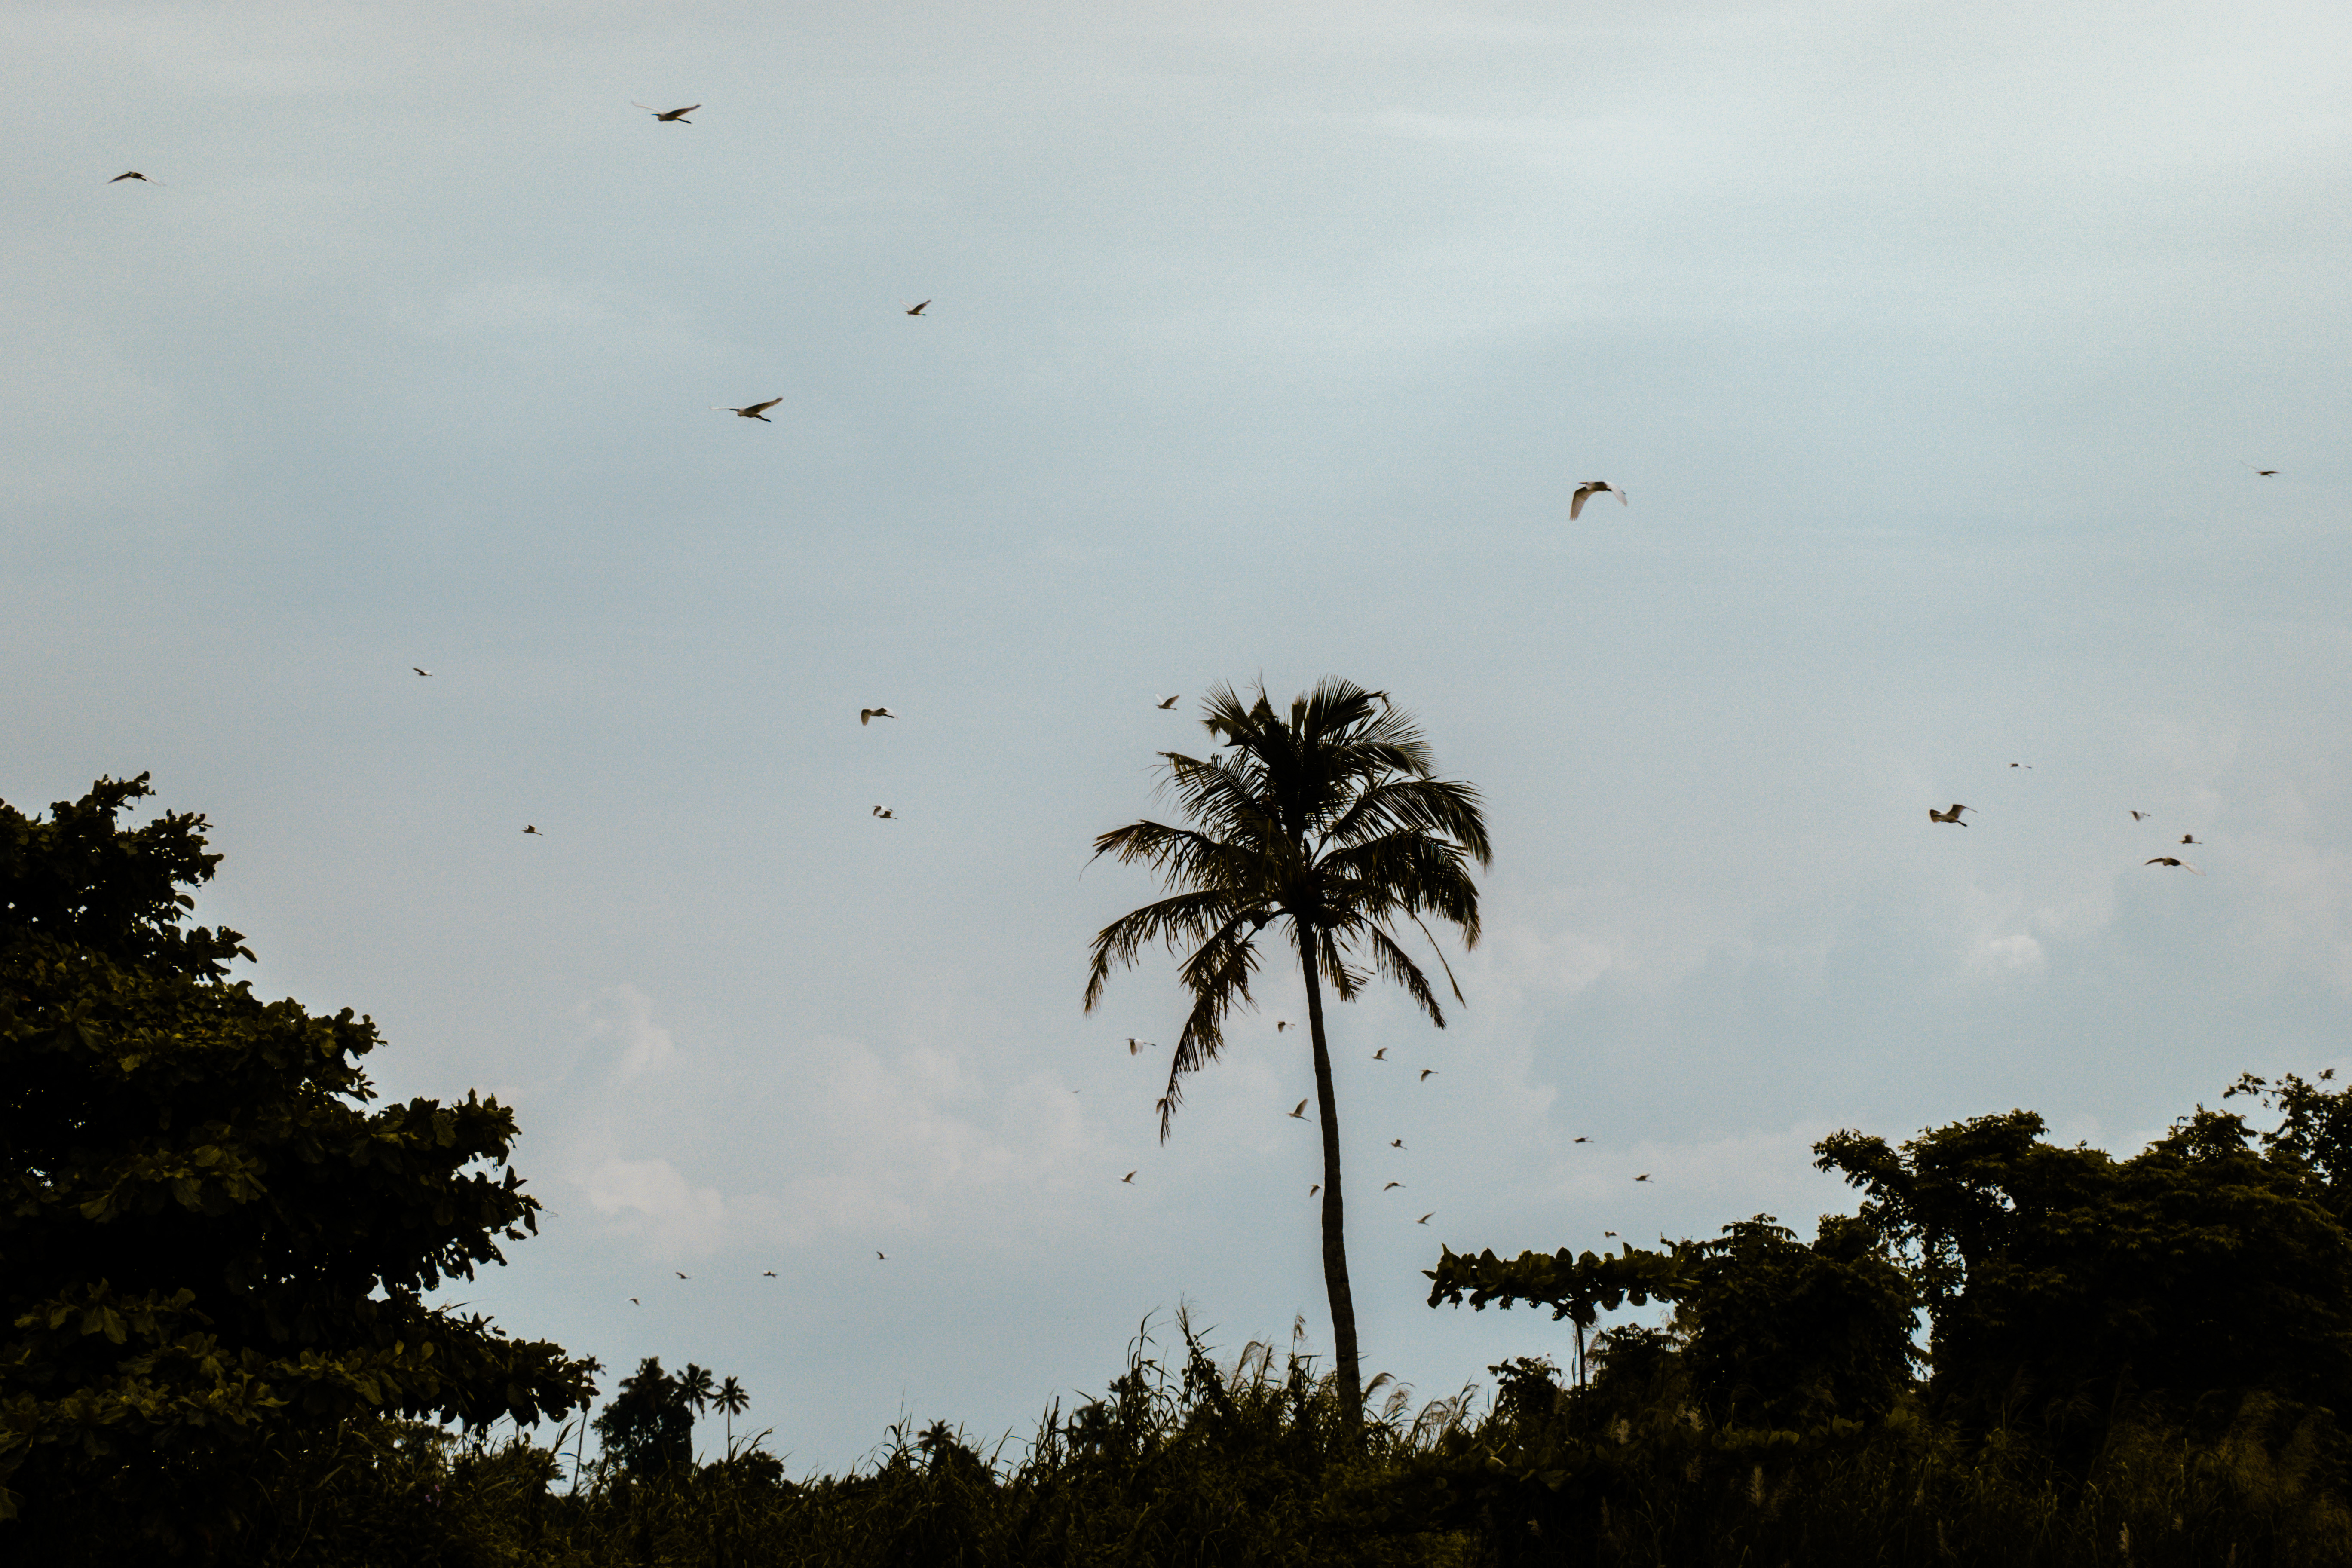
(1951, 813)
(865, 716)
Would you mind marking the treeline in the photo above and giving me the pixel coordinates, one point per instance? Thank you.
(215, 1344)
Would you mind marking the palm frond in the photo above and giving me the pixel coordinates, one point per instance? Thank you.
(1398, 966)
(1194, 916)
(1217, 975)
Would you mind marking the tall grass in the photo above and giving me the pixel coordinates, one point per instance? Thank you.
(1189, 1464)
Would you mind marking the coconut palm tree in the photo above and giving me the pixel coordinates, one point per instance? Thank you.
(732, 1399)
(1330, 827)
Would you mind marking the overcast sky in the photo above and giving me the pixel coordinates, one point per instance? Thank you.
(1936, 346)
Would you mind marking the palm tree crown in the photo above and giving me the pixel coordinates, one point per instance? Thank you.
(733, 1399)
(1332, 825)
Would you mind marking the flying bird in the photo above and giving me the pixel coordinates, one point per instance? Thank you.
(2139, 816)
(1134, 1045)
(1315, 1189)
(886, 813)
(1587, 490)
(1381, 1055)
(667, 116)
(878, 1254)
(2170, 861)
(1167, 701)
(420, 669)
(1280, 1024)
(754, 412)
(767, 1274)
(2027, 766)
(1584, 1139)
(1392, 1185)
(1609, 1233)
(133, 175)
(2189, 839)
(634, 1302)
(1396, 1142)
(1425, 1218)
(868, 715)
(1128, 1178)
(1643, 1177)
(1951, 816)
(1299, 1114)
(1425, 1074)
(533, 831)
(674, 1271)
(2265, 473)
(918, 310)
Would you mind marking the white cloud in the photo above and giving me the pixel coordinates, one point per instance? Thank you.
(625, 1015)
(657, 1203)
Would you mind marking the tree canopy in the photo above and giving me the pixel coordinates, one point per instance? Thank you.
(210, 1238)
(2065, 1284)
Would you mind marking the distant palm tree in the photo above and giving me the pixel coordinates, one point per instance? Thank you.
(694, 1383)
(733, 1400)
(1333, 823)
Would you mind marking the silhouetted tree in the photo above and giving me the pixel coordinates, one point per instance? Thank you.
(732, 1401)
(649, 1425)
(1331, 824)
(2066, 1287)
(210, 1246)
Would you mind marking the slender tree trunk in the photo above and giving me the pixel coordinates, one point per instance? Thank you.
(1335, 1242)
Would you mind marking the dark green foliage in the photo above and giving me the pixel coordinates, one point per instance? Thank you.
(1203, 1467)
(1768, 1331)
(210, 1249)
(2066, 1287)
(649, 1425)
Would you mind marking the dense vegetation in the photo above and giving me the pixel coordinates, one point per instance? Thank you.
(212, 1250)
(214, 1346)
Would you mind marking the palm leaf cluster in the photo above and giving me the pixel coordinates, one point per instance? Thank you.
(1332, 824)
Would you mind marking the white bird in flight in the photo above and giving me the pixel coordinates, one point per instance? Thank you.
(1128, 1178)
(1167, 701)
(918, 310)
(1590, 489)
(752, 411)
(2141, 815)
(667, 116)
(1951, 816)
(1299, 1114)
(1381, 1055)
(1134, 1045)
(420, 669)
(868, 715)
(2170, 861)
(533, 831)
(886, 813)
(1425, 1218)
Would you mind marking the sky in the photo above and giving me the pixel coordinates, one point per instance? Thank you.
(1934, 347)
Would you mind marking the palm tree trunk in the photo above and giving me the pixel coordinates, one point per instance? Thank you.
(1334, 1243)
